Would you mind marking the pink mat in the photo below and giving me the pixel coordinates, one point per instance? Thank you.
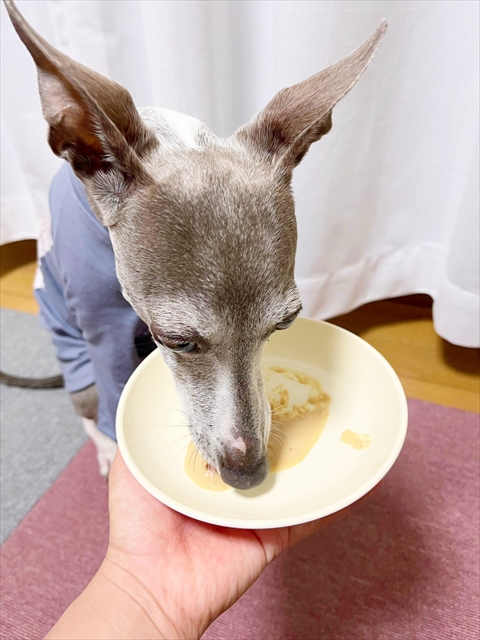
(405, 566)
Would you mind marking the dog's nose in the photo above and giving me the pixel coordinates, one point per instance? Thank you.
(243, 476)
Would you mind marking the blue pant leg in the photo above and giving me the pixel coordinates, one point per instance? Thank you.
(70, 345)
(92, 293)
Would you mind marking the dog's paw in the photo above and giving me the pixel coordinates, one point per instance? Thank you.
(106, 447)
(105, 456)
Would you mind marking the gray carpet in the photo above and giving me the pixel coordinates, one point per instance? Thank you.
(40, 432)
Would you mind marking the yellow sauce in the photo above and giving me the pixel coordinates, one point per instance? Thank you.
(356, 440)
(200, 471)
(299, 414)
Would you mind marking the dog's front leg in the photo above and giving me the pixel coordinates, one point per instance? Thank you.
(85, 403)
(106, 447)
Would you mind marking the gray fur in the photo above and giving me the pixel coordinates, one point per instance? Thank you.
(203, 229)
(85, 402)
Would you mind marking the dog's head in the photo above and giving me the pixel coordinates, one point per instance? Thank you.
(203, 230)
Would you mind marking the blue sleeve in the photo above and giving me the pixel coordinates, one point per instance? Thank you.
(92, 295)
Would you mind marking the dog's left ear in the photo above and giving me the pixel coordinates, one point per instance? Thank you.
(94, 124)
(302, 114)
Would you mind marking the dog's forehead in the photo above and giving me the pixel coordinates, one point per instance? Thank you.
(214, 229)
(210, 200)
(211, 220)
(189, 155)
(192, 163)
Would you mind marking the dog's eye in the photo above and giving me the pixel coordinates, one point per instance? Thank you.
(179, 346)
(286, 323)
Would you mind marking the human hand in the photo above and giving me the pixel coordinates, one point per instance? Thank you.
(182, 572)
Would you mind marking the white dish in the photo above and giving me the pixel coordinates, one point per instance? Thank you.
(367, 398)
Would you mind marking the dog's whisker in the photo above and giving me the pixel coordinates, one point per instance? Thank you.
(185, 435)
(277, 440)
(291, 414)
(172, 424)
(278, 410)
(276, 428)
(196, 457)
(277, 437)
(275, 446)
(277, 391)
(192, 455)
(184, 448)
(172, 406)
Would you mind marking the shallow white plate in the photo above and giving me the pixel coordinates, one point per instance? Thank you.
(367, 397)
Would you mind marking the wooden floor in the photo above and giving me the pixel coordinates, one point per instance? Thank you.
(17, 269)
(401, 329)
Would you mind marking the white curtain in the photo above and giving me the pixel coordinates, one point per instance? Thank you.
(387, 203)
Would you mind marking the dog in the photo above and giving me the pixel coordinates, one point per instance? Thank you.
(201, 234)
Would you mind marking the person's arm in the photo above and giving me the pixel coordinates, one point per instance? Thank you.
(166, 575)
(112, 607)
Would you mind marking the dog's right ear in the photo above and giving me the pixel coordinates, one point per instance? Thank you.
(93, 121)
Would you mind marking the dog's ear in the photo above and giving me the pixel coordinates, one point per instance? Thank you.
(302, 114)
(93, 121)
